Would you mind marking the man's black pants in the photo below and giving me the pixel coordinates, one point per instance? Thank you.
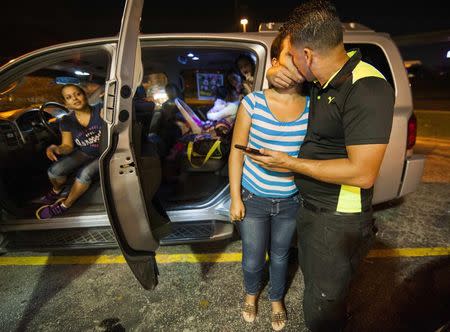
(330, 248)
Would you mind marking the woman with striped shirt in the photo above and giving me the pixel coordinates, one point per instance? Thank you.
(264, 202)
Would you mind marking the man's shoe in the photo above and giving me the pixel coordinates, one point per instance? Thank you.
(51, 211)
(50, 197)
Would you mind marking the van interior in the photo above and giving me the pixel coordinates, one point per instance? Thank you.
(179, 87)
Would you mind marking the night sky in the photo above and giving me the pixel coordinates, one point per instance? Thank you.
(28, 25)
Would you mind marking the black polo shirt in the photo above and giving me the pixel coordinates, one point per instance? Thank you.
(354, 107)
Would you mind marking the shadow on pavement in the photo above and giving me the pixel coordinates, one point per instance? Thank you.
(50, 282)
(217, 247)
(385, 296)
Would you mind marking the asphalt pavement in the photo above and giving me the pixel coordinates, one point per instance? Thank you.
(403, 284)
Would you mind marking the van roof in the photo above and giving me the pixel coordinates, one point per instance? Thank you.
(350, 26)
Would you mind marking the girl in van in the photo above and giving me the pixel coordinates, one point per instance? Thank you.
(246, 67)
(264, 202)
(80, 131)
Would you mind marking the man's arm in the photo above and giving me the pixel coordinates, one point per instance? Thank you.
(360, 169)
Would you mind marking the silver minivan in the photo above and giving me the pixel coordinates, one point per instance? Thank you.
(150, 192)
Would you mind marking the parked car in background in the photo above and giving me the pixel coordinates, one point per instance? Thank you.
(150, 193)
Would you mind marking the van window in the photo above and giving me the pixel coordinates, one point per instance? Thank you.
(86, 69)
(196, 72)
(37, 81)
(374, 55)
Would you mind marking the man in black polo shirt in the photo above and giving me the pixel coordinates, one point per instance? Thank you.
(350, 122)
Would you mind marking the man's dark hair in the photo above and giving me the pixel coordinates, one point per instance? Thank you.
(315, 24)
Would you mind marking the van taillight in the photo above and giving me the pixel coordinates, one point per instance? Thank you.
(412, 131)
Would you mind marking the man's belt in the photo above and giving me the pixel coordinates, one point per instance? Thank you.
(317, 209)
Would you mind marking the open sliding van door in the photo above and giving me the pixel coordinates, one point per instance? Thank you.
(129, 179)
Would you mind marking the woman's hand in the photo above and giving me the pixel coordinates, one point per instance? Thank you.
(237, 210)
(52, 152)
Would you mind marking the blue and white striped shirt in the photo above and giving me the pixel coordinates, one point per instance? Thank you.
(268, 132)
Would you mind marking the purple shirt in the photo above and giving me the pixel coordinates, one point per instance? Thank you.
(87, 139)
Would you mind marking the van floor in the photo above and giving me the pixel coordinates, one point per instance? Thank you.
(190, 189)
(90, 202)
(187, 189)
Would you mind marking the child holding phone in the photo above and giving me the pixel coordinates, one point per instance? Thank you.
(264, 201)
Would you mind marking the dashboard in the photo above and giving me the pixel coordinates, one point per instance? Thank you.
(22, 136)
(10, 138)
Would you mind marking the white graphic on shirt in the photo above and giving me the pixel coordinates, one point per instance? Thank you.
(90, 137)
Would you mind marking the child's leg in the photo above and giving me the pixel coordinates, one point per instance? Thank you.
(84, 178)
(58, 171)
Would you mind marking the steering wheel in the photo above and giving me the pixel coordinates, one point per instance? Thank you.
(56, 111)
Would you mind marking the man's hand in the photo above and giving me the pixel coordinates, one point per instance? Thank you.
(281, 77)
(52, 152)
(270, 159)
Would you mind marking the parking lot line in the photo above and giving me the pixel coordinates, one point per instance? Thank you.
(197, 258)
(410, 252)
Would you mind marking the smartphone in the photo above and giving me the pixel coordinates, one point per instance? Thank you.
(248, 149)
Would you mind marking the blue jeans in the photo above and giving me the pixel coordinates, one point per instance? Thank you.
(86, 165)
(268, 227)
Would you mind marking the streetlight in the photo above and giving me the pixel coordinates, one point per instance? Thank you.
(244, 23)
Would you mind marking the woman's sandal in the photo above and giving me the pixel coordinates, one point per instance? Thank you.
(249, 312)
(279, 320)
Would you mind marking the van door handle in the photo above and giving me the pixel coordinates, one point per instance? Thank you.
(110, 100)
